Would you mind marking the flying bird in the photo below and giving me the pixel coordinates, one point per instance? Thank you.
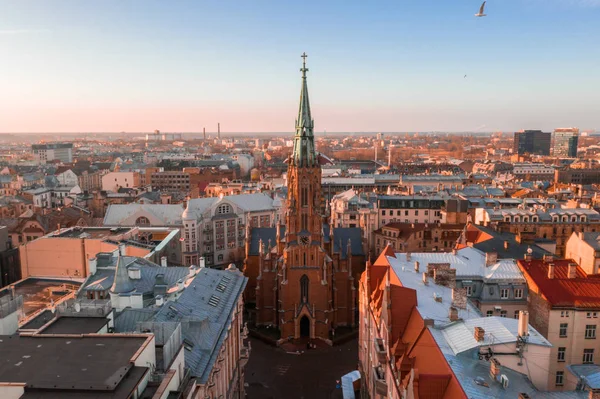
(481, 11)
(465, 76)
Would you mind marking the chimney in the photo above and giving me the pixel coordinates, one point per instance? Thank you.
(202, 262)
(479, 334)
(159, 300)
(459, 298)
(92, 266)
(550, 271)
(523, 326)
(572, 271)
(523, 395)
(425, 280)
(506, 245)
(528, 255)
(594, 394)
(163, 261)
(453, 313)
(494, 369)
(548, 258)
(417, 266)
(491, 258)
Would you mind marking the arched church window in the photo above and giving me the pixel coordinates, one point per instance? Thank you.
(142, 221)
(304, 289)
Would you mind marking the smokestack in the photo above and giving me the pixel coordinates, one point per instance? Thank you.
(219, 130)
(204, 133)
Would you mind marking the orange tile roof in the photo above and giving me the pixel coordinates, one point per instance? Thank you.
(582, 291)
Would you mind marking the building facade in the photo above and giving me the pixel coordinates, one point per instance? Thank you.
(300, 282)
(43, 153)
(532, 142)
(215, 228)
(564, 142)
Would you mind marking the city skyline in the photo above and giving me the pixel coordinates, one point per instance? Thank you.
(122, 67)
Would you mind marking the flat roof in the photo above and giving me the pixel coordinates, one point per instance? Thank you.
(38, 293)
(76, 325)
(92, 232)
(91, 363)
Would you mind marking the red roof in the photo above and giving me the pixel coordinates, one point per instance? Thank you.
(582, 291)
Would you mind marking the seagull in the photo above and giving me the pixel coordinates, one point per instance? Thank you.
(481, 11)
(465, 76)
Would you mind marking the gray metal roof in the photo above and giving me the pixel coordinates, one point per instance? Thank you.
(122, 283)
(128, 319)
(205, 311)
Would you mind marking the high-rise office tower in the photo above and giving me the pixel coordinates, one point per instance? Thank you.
(532, 142)
(564, 142)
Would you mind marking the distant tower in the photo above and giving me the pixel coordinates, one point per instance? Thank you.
(219, 131)
(204, 132)
(390, 156)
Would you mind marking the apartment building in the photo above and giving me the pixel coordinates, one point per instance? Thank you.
(215, 228)
(417, 237)
(556, 224)
(564, 304)
(420, 336)
(113, 181)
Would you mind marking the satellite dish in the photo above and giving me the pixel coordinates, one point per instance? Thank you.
(77, 307)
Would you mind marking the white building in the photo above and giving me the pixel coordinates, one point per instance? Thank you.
(114, 180)
(43, 153)
(215, 228)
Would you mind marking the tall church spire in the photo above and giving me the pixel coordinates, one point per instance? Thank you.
(304, 144)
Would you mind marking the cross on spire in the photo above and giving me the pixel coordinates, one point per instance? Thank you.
(304, 69)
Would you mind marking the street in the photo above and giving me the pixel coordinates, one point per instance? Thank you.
(272, 373)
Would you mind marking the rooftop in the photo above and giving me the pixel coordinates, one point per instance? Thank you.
(97, 363)
(76, 325)
(91, 232)
(582, 291)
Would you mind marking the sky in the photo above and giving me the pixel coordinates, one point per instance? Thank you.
(389, 66)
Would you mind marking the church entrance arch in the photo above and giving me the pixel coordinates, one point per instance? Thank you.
(304, 327)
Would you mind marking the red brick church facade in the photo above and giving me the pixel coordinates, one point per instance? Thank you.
(303, 276)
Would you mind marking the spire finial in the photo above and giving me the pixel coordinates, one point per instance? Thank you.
(304, 69)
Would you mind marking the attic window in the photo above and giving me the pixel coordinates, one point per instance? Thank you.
(214, 301)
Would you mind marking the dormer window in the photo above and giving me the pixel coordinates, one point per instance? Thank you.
(223, 209)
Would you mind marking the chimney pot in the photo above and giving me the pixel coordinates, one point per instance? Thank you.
(572, 271)
(417, 266)
(479, 334)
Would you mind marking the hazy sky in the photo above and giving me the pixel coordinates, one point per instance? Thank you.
(394, 65)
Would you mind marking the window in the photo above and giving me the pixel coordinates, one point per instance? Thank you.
(304, 289)
(503, 313)
(518, 293)
(561, 354)
(590, 315)
(559, 378)
(491, 290)
(588, 356)
(504, 293)
(382, 213)
(562, 332)
(489, 313)
(516, 316)
(590, 331)
(220, 258)
(142, 221)
(469, 290)
(225, 208)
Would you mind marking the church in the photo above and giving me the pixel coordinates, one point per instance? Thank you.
(303, 274)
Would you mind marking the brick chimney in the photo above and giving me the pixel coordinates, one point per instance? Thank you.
(417, 266)
(479, 334)
(491, 258)
(425, 279)
(459, 298)
(453, 313)
(572, 270)
(550, 271)
(494, 369)
(594, 394)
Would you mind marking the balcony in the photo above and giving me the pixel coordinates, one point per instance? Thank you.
(380, 350)
(379, 381)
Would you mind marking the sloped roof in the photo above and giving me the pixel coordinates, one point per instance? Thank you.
(582, 291)
(169, 214)
(205, 319)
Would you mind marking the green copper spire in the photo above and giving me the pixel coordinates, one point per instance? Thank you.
(304, 141)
